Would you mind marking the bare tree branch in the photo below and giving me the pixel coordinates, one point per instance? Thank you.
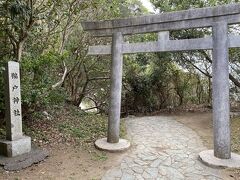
(63, 77)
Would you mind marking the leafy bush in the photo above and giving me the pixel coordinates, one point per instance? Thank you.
(2, 107)
(38, 76)
(2, 91)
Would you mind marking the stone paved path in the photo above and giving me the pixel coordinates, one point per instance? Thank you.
(163, 149)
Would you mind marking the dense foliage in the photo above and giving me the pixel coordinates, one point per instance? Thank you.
(47, 39)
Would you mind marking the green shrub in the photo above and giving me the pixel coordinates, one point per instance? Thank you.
(38, 76)
(2, 105)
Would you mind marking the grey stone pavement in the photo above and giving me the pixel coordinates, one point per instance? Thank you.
(163, 149)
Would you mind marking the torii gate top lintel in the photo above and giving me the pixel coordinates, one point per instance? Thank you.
(193, 18)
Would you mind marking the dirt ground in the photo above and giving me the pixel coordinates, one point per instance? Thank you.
(67, 163)
(200, 123)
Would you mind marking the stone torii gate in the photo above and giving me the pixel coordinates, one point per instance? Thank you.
(216, 17)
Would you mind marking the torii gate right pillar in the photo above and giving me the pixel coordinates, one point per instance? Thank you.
(221, 156)
(220, 82)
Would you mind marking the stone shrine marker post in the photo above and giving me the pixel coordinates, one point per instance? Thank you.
(218, 18)
(16, 152)
(15, 143)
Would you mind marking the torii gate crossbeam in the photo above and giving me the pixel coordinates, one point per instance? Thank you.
(216, 17)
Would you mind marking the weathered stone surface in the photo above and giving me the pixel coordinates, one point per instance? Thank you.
(193, 18)
(15, 143)
(156, 163)
(23, 161)
(220, 86)
(150, 158)
(116, 87)
(13, 101)
(171, 173)
(16, 147)
(158, 46)
(208, 158)
(150, 173)
(121, 146)
(127, 176)
(137, 169)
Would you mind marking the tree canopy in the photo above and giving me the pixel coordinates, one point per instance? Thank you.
(47, 39)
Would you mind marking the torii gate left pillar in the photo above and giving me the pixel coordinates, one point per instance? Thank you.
(116, 86)
(113, 143)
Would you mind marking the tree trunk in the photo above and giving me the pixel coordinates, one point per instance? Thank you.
(19, 51)
(180, 100)
(209, 91)
(231, 77)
